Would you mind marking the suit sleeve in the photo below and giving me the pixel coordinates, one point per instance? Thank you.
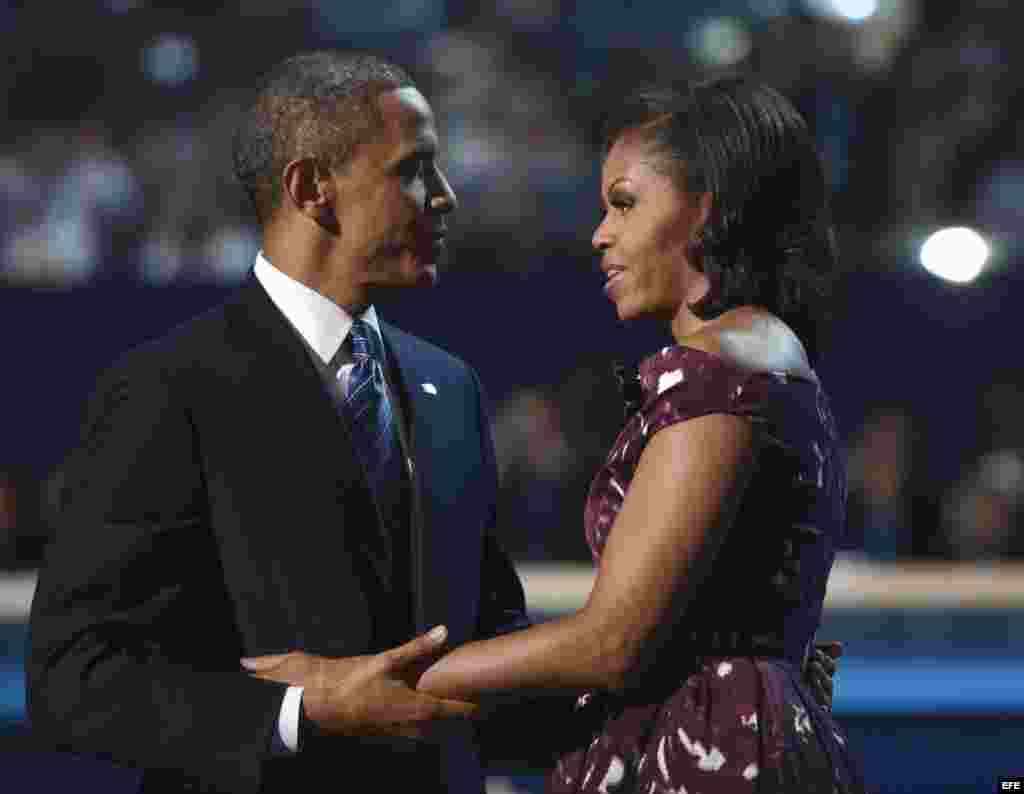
(133, 651)
(553, 725)
(502, 604)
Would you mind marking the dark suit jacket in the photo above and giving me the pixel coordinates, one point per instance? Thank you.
(214, 509)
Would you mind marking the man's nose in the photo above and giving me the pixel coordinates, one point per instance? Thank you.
(442, 197)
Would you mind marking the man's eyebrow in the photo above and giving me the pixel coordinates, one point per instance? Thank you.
(425, 146)
(421, 151)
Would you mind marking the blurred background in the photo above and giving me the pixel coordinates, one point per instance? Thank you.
(121, 217)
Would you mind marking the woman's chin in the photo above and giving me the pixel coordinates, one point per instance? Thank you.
(627, 310)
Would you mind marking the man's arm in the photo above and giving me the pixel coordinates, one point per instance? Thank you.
(132, 645)
(503, 609)
(501, 606)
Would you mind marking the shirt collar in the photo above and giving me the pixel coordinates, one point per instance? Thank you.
(319, 320)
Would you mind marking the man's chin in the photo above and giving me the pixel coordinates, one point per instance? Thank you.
(421, 277)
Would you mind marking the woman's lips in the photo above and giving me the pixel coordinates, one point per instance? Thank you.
(612, 276)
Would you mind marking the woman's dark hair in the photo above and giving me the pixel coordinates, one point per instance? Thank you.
(768, 241)
(316, 104)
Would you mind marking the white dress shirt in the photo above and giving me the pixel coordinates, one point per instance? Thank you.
(324, 325)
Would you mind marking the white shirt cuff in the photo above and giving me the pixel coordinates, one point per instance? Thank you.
(288, 720)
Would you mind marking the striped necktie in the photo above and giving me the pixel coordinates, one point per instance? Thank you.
(372, 420)
(375, 438)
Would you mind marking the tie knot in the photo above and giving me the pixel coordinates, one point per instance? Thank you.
(362, 340)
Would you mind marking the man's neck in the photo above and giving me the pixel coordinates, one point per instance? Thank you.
(310, 265)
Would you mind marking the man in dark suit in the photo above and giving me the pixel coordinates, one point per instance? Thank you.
(286, 472)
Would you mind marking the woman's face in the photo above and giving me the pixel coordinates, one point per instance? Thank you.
(645, 235)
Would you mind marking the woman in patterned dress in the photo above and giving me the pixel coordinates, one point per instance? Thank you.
(688, 650)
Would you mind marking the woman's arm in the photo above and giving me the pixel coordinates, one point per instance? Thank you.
(674, 517)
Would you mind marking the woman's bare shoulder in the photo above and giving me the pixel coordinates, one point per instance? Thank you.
(754, 340)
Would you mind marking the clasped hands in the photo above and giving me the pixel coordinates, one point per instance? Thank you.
(370, 695)
(375, 694)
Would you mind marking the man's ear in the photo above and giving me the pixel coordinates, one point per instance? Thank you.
(306, 188)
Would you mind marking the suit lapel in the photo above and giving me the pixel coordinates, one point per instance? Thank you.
(283, 373)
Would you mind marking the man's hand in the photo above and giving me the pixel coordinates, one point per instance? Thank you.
(371, 695)
(821, 669)
(299, 668)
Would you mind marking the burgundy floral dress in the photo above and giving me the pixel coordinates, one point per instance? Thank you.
(723, 707)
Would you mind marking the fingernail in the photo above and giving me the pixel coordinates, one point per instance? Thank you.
(249, 664)
(438, 633)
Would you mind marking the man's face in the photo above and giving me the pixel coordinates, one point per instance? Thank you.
(391, 200)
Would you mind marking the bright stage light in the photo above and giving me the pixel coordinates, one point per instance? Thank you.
(848, 10)
(171, 59)
(721, 41)
(955, 254)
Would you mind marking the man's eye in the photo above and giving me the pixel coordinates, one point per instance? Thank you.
(412, 168)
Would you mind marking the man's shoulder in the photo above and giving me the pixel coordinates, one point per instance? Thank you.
(193, 342)
(425, 352)
(188, 338)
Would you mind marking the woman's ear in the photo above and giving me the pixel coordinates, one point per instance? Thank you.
(699, 214)
(699, 285)
(705, 202)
